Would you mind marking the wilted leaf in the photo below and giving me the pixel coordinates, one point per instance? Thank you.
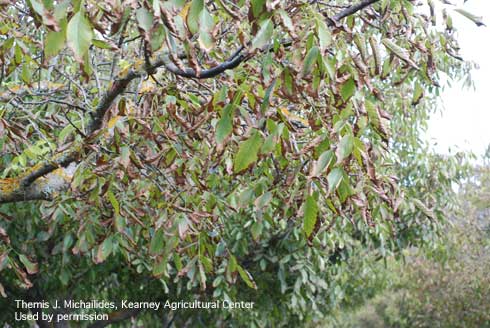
(104, 250)
(2, 291)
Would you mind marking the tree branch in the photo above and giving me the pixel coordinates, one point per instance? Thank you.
(233, 61)
(350, 11)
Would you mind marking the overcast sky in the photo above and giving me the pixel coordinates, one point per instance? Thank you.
(465, 120)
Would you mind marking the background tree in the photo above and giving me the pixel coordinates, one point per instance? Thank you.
(244, 150)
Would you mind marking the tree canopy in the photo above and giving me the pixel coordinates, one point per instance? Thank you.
(243, 150)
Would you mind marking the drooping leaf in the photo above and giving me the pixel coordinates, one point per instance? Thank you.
(418, 93)
(264, 35)
(104, 250)
(324, 35)
(247, 153)
(246, 277)
(334, 178)
(114, 201)
(310, 209)
(478, 20)
(157, 242)
(399, 52)
(345, 147)
(144, 18)
(310, 60)
(79, 35)
(348, 89)
(193, 16)
(323, 162)
(225, 124)
(31, 267)
(206, 25)
(54, 42)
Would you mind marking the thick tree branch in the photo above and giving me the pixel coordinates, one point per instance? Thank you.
(233, 61)
(350, 11)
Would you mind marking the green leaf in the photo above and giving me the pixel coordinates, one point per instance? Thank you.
(38, 7)
(193, 15)
(310, 215)
(31, 267)
(157, 242)
(206, 24)
(334, 178)
(258, 7)
(324, 35)
(101, 44)
(246, 277)
(267, 97)
(144, 18)
(399, 52)
(104, 250)
(345, 147)
(245, 197)
(54, 43)
(287, 21)
(256, 230)
(264, 35)
(157, 37)
(79, 35)
(268, 145)
(160, 267)
(26, 74)
(225, 124)
(263, 200)
(114, 202)
(418, 93)
(322, 163)
(310, 60)
(348, 89)
(247, 153)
